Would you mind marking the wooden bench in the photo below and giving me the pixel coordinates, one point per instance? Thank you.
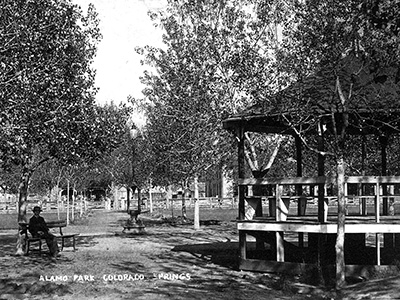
(29, 241)
(51, 224)
(136, 228)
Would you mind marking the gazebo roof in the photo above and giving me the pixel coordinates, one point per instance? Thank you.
(372, 101)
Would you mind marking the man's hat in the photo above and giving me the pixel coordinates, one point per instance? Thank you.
(37, 208)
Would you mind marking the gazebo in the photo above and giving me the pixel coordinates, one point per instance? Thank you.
(285, 235)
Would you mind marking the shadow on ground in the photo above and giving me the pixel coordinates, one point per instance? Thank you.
(30, 268)
(224, 254)
(8, 245)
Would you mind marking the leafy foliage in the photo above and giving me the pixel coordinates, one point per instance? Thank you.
(215, 62)
(128, 164)
(88, 171)
(343, 59)
(47, 108)
(46, 80)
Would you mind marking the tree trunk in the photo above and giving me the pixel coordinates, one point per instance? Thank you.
(22, 205)
(196, 203)
(252, 160)
(169, 201)
(81, 204)
(73, 203)
(58, 202)
(128, 198)
(150, 197)
(340, 263)
(59, 194)
(184, 215)
(139, 192)
(116, 200)
(23, 194)
(68, 202)
(50, 197)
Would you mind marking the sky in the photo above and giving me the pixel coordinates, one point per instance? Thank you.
(124, 25)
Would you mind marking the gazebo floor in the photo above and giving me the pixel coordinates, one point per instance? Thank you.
(360, 255)
(367, 243)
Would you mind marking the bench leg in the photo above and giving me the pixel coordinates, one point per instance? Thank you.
(28, 245)
(67, 237)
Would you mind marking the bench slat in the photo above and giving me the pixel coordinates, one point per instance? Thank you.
(50, 224)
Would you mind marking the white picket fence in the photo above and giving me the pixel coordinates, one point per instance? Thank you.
(204, 202)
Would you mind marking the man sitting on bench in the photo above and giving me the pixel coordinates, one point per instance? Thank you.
(38, 228)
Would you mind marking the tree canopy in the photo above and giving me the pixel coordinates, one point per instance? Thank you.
(46, 80)
(312, 63)
(340, 61)
(343, 59)
(215, 62)
(47, 108)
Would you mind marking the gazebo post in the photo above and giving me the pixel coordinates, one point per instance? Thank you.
(363, 201)
(242, 174)
(301, 202)
(383, 140)
(388, 241)
(322, 207)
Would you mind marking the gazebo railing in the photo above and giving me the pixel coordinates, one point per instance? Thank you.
(279, 203)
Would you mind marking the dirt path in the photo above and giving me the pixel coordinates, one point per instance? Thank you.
(168, 262)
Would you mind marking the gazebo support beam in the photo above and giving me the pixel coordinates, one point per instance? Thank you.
(299, 173)
(242, 192)
(383, 140)
(322, 207)
(302, 202)
(363, 201)
(388, 238)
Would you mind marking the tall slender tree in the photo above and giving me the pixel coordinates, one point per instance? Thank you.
(215, 62)
(47, 87)
(344, 58)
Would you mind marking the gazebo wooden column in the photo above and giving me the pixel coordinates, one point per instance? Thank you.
(302, 202)
(321, 239)
(241, 191)
(388, 238)
(299, 173)
(363, 201)
(322, 206)
(383, 140)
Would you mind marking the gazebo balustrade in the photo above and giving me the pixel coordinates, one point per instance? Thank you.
(279, 220)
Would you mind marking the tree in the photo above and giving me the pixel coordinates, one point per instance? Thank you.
(215, 62)
(47, 88)
(45, 178)
(9, 179)
(129, 165)
(339, 57)
(46, 83)
(108, 130)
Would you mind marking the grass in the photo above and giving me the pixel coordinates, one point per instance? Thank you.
(220, 214)
(10, 220)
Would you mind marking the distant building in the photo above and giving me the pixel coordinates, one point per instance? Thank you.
(219, 186)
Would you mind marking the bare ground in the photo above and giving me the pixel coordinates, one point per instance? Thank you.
(169, 261)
